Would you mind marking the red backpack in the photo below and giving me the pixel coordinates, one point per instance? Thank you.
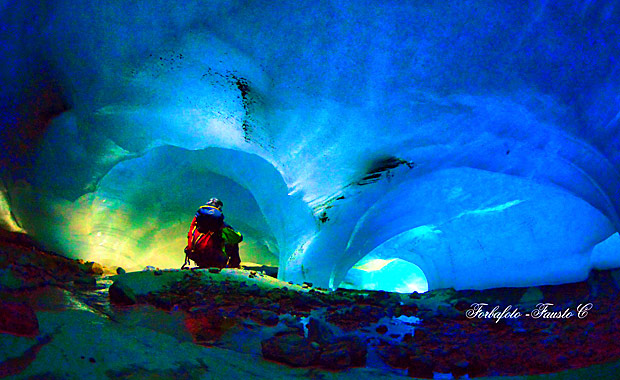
(204, 243)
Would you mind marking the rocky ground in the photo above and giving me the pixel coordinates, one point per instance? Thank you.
(64, 318)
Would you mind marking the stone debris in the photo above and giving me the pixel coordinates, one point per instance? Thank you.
(18, 319)
(300, 326)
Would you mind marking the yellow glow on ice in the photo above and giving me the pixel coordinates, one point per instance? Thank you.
(373, 265)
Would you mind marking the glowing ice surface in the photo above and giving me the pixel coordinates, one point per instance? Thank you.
(393, 275)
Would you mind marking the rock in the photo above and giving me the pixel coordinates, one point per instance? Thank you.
(265, 317)
(531, 297)
(8, 280)
(273, 294)
(208, 324)
(517, 326)
(551, 339)
(18, 319)
(344, 352)
(421, 333)
(462, 305)
(23, 260)
(121, 294)
(336, 356)
(444, 294)
(462, 364)
(291, 349)
(449, 312)
(85, 280)
(357, 349)
(93, 268)
(459, 368)
(426, 314)
(476, 367)
(421, 367)
(97, 269)
(382, 329)
(377, 295)
(319, 331)
(408, 338)
(615, 277)
(120, 270)
(602, 282)
(292, 323)
(562, 359)
(396, 356)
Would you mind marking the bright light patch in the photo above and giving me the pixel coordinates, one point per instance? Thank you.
(373, 265)
(497, 208)
(6, 219)
(392, 275)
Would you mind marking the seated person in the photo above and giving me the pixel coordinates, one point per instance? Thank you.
(210, 241)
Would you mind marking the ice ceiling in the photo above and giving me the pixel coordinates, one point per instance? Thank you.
(476, 141)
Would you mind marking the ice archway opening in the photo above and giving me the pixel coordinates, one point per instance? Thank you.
(139, 213)
(469, 228)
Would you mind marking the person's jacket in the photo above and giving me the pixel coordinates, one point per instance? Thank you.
(229, 235)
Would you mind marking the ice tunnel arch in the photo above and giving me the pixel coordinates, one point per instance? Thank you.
(156, 190)
(139, 213)
(417, 268)
(470, 228)
(383, 269)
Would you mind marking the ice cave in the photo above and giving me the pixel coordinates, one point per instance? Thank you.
(476, 141)
(402, 146)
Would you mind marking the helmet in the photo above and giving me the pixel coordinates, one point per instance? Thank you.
(215, 203)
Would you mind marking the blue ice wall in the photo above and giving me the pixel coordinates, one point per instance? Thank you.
(476, 140)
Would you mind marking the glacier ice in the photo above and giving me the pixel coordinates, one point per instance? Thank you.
(394, 275)
(475, 141)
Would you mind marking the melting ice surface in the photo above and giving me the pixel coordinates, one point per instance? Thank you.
(474, 144)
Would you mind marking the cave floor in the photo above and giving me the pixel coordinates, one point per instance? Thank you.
(65, 319)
